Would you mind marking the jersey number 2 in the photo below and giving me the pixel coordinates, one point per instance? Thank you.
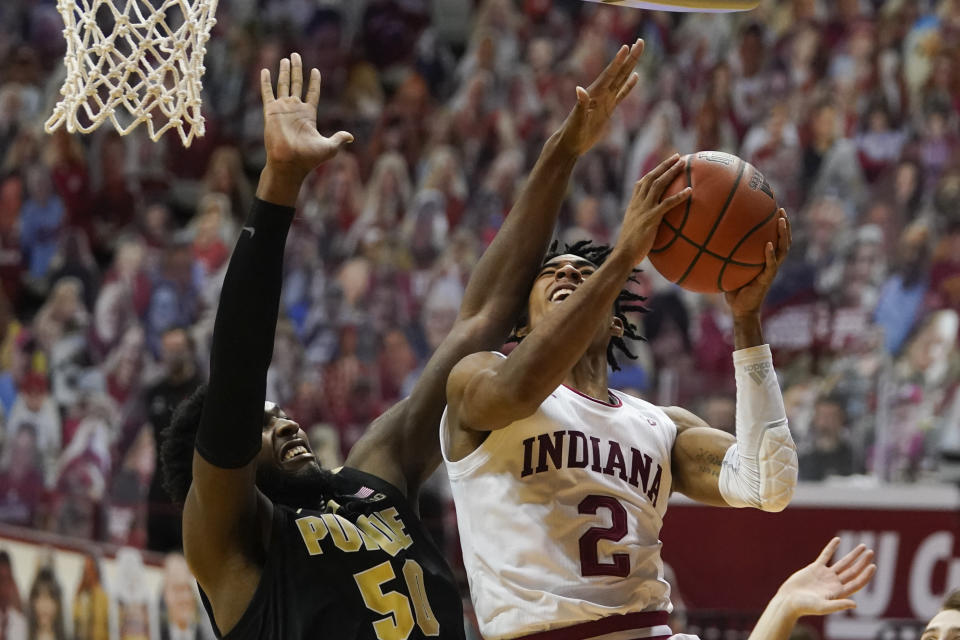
(399, 621)
(590, 564)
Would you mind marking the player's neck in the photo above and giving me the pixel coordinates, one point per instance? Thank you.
(589, 375)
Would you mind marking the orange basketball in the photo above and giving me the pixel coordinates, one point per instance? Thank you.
(715, 240)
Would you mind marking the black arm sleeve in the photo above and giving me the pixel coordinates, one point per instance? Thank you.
(231, 424)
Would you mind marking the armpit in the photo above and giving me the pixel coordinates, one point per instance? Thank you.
(684, 419)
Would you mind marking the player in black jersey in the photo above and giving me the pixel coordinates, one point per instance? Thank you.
(281, 548)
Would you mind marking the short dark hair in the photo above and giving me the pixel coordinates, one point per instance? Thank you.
(952, 603)
(625, 303)
(178, 441)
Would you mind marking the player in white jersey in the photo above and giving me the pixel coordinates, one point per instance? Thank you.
(561, 484)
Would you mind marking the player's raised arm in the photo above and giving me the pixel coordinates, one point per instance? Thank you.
(486, 392)
(758, 468)
(497, 292)
(816, 590)
(224, 513)
(499, 284)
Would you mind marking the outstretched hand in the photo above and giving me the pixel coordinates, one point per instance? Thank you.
(588, 120)
(290, 136)
(818, 589)
(749, 298)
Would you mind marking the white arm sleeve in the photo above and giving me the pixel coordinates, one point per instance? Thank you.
(760, 469)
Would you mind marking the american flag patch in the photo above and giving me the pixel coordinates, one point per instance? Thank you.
(363, 493)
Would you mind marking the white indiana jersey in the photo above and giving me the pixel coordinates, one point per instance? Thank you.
(560, 516)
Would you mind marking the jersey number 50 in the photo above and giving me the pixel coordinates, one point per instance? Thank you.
(590, 564)
(399, 621)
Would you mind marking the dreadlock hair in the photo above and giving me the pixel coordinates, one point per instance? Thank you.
(178, 441)
(626, 302)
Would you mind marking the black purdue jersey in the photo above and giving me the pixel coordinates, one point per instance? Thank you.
(369, 571)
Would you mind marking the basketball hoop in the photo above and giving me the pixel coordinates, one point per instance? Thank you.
(132, 62)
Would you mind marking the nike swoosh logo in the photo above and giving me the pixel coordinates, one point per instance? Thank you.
(251, 230)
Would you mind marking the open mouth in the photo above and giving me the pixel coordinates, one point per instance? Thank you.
(561, 293)
(294, 450)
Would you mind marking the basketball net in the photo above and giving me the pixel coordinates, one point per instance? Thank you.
(132, 62)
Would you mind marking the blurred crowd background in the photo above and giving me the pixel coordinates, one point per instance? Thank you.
(113, 249)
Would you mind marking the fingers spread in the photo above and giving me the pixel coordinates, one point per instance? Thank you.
(313, 89)
(296, 76)
(648, 180)
(828, 551)
(859, 582)
(613, 69)
(663, 181)
(661, 168)
(283, 79)
(627, 88)
(628, 65)
(857, 568)
(670, 202)
(847, 560)
(266, 88)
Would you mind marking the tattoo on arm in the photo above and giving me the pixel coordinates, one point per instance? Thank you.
(708, 462)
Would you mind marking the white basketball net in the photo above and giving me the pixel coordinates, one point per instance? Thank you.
(134, 61)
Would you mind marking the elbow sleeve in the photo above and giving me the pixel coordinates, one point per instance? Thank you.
(760, 469)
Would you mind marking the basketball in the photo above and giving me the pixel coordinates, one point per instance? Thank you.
(715, 240)
(415, 224)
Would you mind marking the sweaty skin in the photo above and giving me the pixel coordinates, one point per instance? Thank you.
(486, 392)
(226, 518)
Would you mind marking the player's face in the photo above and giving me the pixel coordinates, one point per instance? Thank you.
(287, 471)
(558, 278)
(285, 446)
(944, 626)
